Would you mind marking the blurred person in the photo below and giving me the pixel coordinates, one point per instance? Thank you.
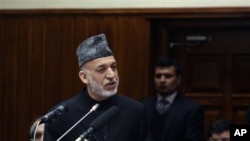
(220, 130)
(172, 117)
(36, 131)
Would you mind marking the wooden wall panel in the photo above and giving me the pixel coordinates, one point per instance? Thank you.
(67, 66)
(37, 72)
(207, 73)
(1, 77)
(23, 72)
(242, 69)
(10, 100)
(52, 60)
(239, 112)
(140, 59)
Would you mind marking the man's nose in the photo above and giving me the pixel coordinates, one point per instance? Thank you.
(162, 78)
(110, 73)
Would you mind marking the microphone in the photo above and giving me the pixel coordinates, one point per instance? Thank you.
(53, 114)
(50, 116)
(99, 122)
(90, 111)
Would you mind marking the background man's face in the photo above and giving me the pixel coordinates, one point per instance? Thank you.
(224, 136)
(166, 81)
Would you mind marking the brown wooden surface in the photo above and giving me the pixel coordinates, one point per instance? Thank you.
(38, 66)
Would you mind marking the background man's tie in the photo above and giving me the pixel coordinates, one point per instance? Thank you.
(162, 106)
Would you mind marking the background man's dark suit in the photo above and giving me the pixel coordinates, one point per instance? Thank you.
(126, 126)
(183, 122)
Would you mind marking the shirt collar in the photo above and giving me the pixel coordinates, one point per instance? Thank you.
(170, 98)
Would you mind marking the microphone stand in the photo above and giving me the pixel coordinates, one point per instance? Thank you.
(90, 111)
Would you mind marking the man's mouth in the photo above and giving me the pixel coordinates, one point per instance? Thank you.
(110, 85)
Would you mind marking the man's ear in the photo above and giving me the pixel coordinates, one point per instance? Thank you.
(83, 76)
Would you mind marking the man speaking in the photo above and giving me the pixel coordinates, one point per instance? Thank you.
(98, 71)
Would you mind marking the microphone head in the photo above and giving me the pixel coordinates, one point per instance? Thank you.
(94, 107)
(55, 113)
(104, 118)
(60, 110)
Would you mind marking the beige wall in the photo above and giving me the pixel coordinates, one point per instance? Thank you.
(48, 4)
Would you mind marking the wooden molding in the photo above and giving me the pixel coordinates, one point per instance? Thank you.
(147, 12)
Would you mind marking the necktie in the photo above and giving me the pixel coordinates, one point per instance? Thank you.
(162, 106)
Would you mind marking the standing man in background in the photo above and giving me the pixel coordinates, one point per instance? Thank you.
(98, 71)
(172, 117)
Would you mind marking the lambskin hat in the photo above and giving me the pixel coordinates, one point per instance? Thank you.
(92, 48)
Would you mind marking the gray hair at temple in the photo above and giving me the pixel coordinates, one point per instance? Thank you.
(93, 48)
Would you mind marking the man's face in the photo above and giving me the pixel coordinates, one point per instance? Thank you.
(166, 81)
(224, 136)
(101, 77)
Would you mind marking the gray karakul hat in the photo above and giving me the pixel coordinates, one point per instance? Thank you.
(92, 48)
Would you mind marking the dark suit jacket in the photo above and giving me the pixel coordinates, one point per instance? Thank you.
(184, 120)
(128, 125)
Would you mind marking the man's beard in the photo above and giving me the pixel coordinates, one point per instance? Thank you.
(99, 90)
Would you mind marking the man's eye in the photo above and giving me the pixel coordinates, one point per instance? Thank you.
(158, 75)
(114, 67)
(38, 135)
(165, 75)
(100, 70)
